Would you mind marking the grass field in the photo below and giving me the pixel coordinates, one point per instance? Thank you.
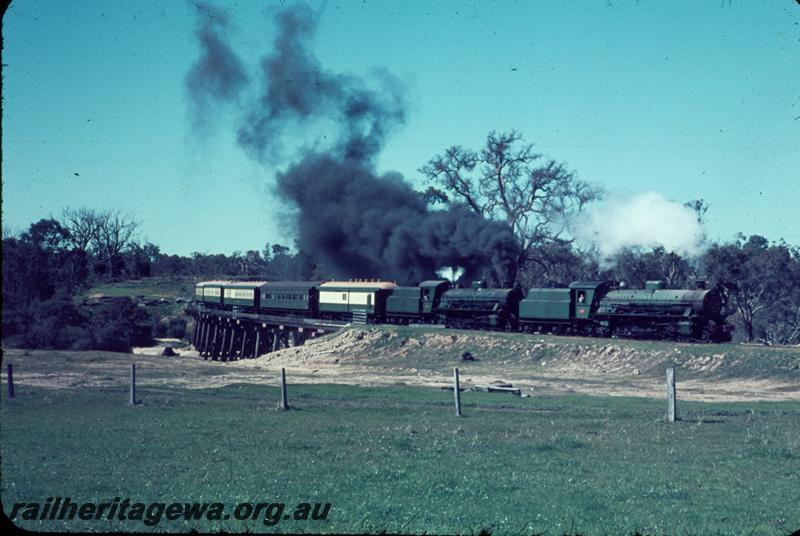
(396, 459)
(151, 288)
(154, 289)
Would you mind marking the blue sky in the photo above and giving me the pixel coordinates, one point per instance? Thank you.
(690, 99)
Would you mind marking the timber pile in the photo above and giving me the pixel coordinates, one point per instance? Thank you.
(497, 387)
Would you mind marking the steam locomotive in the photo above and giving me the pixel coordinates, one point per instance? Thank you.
(590, 308)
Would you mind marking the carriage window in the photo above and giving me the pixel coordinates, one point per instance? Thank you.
(344, 296)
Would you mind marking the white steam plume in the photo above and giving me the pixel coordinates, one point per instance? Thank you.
(646, 220)
(451, 273)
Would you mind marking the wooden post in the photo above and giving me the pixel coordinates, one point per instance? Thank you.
(201, 336)
(213, 349)
(284, 398)
(208, 340)
(672, 414)
(457, 392)
(132, 401)
(258, 343)
(230, 345)
(204, 340)
(10, 378)
(274, 340)
(224, 339)
(244, 342)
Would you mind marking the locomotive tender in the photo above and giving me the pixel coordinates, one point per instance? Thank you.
(590, 308)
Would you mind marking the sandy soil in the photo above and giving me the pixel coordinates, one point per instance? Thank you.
(374, 358)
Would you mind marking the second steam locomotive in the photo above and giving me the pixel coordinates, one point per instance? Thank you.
(590, 308)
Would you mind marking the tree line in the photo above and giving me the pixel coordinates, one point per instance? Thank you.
(47, 266)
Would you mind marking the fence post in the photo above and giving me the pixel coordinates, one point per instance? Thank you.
(10, 378)
(132, 401)
(284, 398)
(457, 392)
(672, 414)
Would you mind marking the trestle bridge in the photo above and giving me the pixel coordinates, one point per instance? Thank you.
(222, 335)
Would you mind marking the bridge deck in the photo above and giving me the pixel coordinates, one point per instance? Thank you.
(318, 324)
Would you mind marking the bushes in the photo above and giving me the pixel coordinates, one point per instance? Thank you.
(58, 324)
(54, 323)
(120, 326)
(177, 327)
(174, 328)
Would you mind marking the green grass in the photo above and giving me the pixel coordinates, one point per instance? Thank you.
(396, 459)
(149, 288)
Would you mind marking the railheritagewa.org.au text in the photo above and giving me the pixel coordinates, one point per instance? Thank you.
(153, 513)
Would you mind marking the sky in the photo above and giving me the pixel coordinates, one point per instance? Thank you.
(688, 99)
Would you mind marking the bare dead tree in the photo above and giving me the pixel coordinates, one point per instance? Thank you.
(83, 225)
(507, 180)
(115, 231)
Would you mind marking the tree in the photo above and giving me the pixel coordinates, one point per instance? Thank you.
(761, 275)
(115, 231)
(35, 266)
(555, 264)
(252, 263)
(507, 180)
(635, 268)
(780, 321)
(49, 235)
(700, 207)
(83, 225)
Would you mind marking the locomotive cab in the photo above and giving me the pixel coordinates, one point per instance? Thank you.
(584, 296)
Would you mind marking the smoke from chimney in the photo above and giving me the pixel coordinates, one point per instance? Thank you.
(359, 222)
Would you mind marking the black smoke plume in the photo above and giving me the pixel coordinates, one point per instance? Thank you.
(218, 76)
(360, 223)
(363, 224)
(298, 89)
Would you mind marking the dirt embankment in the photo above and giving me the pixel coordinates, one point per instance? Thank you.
(419, 356)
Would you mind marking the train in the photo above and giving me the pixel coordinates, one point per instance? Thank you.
(587, 308)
